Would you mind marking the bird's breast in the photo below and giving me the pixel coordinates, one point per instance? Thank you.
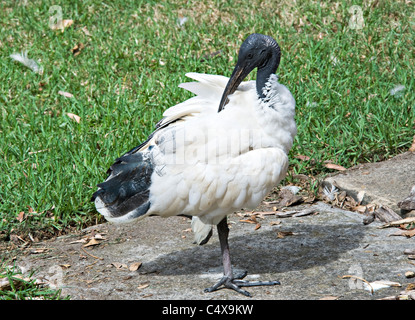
(212, 190)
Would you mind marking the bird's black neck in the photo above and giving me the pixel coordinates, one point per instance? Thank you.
(265, 71)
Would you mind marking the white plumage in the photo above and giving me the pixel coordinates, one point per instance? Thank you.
(207, 164)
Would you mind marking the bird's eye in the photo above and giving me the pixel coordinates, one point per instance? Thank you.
(250, 55)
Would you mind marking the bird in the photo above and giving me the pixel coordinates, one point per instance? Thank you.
(219, 151)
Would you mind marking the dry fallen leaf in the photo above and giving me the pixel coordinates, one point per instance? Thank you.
(305, 212)
(398, 222)
(274, 223)
(65, 94)
(39, 250)
(92, 242)
(119, 266)
(251, 219)
(74, 117)
(283, 234)
(143, 286)
(62, 24)
(302, 158)
(99, 236)
(79, 241)
(285, 214)
(334, 166)
(20, 216)
(77, 49)
(85, 30)
(265, 213)
(135, 266)
(258, 225)
(406, 233)
(288, 198)
(329, 298)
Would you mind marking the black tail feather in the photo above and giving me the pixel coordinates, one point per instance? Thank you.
(127, 187)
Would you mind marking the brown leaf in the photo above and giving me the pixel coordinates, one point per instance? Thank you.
(65, 94)
(85, 30)
(92, 242)
(77, 49)
(305, 212)
(20, 216)
(283, 234)
(265, 213)
(119, 266)
(99, 236)
(274, 223)
(67, 23)
(288, 198)
(78, 241)
(329, 298)
(62, 24)
(258, 225)
(398, 222)
(360, 209)
(143, 286)
(74, 117)
(251, 219)
(334, 166)
(135, 266)
(39, 250)
(302, 158)
(406, 233)
(410, 286)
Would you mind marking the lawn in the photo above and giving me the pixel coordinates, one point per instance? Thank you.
(113, 70)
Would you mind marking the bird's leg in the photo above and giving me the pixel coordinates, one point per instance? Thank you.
(228, 280)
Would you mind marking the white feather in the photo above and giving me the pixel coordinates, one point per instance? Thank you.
(30, 63)
(200, 230)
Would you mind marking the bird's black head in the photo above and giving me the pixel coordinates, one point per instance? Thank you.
(257, 51)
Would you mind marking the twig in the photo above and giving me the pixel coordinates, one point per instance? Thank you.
(358, 278)
(90, 254)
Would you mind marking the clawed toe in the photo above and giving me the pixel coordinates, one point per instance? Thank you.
(236, 283)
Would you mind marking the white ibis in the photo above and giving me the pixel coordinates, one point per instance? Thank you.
(211, 155)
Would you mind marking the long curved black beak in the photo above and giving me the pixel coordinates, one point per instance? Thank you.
(238, 75)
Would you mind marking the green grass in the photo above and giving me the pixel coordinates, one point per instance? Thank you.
(132, 62)
(24, 286)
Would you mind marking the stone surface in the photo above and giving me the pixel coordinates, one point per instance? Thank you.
(384, 183)
(309, 264)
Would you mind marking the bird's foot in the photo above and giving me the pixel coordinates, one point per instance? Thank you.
(236, 283)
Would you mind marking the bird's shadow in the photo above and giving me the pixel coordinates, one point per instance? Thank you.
(265, 252)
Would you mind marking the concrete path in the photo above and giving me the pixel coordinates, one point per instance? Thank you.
(156, 258)
(386, 182)
(309, 263)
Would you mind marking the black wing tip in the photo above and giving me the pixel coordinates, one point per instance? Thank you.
(126, 190)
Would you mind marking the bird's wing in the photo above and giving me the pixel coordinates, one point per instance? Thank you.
(125, 192)
(208, 90)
